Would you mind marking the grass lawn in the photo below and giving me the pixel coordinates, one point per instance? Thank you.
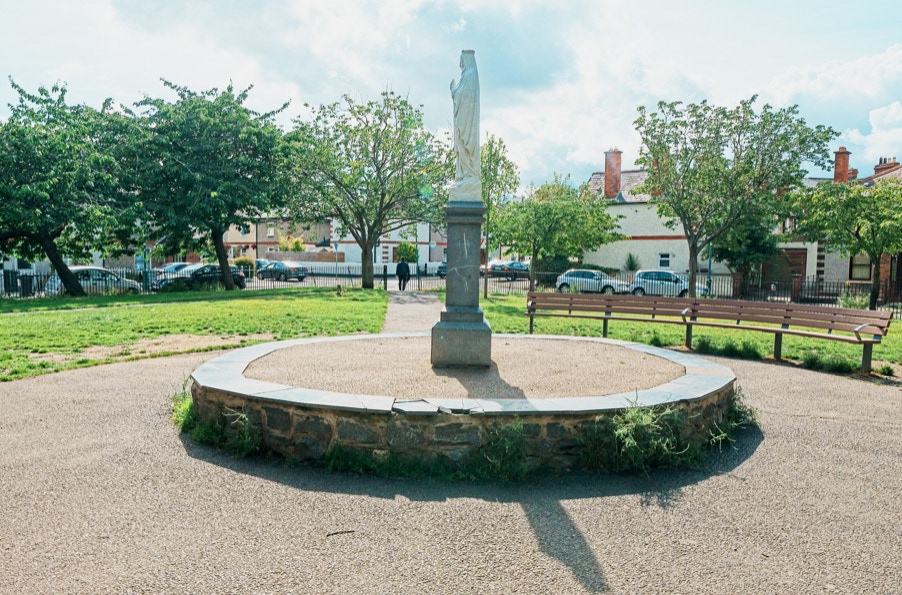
(48, 335)
(506, 315)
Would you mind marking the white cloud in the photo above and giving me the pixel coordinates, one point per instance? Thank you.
(884, 138)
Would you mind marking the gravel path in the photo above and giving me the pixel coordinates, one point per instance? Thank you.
(98, 494)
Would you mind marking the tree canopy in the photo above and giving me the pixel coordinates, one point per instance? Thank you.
(854, 219)
(709, 167)
(59, 194)
(500, 179)
(207, 162)
(370, 166)
(556, 219)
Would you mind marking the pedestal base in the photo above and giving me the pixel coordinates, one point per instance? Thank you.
(462, 340)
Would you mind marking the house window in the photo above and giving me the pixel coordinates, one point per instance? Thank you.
(270, 230)
(664, 260)
(244, 229)
(860, 268)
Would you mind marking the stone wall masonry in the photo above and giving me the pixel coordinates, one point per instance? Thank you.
(306, 434)
(304, 424)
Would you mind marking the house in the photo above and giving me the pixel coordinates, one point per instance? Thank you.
(657, 246)
(648, 239)
(261, 240)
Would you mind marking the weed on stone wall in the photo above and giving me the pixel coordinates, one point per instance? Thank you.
(504, 455)
(241, 439)
(638, 439)
(739, 416)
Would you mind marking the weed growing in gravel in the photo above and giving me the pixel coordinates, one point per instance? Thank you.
(886, 370)
(746, 350)
(834, 364)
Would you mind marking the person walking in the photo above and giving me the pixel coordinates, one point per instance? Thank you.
(403, 273)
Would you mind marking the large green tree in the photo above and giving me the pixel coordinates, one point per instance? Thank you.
(59, 193)
(370, 166)
(500, 179)
(709, 167)
(556, 219)
(206, 163)
(854, 219)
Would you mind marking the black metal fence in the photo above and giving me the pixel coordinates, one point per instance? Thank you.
(20, 284)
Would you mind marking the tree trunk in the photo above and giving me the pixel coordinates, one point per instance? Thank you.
(534, 258)
(366, 269)
(875, 284)
(693, 268)
(67, 277)
(223, 258)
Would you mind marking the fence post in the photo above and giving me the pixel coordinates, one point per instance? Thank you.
(385, 277)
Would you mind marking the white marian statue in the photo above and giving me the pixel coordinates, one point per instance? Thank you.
(468, 179)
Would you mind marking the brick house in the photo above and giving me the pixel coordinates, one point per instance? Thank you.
(657, 246)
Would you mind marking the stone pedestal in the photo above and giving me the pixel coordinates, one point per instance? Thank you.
(463, 337)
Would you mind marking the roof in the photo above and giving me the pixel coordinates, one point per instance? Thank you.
(630, 179)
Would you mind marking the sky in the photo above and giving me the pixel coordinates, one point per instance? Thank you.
(560, 82)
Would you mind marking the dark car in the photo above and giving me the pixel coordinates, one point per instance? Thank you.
(511, 269)
(198, 276)
(282, 271)
(442, 270)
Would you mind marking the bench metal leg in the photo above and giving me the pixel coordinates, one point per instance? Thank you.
(866, 358)
(604, 328)
(778, 346)
(688, 336)
(531, 319)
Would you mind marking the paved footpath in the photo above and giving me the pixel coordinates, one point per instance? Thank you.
(99, 494)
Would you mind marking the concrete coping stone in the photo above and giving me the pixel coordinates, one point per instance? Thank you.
(226, 374)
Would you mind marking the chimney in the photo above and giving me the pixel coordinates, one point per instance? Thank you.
(841, 166)
(612, 173)
(884, 164)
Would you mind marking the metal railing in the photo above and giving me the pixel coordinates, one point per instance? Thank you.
(25, 284)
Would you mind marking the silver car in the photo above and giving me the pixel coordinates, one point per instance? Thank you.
(95, 281)
(665, 283)
(588, 281)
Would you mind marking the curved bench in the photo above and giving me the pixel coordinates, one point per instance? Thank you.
(847, 325)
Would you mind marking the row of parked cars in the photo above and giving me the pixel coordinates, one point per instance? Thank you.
(505, 269)
(172, 277)
(645, 282)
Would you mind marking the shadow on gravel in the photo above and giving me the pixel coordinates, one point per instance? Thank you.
(540, 497)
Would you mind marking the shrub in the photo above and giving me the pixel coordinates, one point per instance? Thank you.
(886, 370)
(407, 251)
(292, 244)
(860, 301)
(246, 264)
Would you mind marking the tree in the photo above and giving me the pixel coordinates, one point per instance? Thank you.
(747, 244)
(709, 167)
(58, 187)
(556, 219)
(207, 163)
(854, 219)
(500, 180)
(370, 166)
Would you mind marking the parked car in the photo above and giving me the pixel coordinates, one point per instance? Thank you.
(666, 283)
(259, 263)
(442, 270)
(95, 281)
(589, 281)
(512, 269)
(282, 271)
(197, 276)
(167, 269)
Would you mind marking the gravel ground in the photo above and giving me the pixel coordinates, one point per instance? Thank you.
(99, 494)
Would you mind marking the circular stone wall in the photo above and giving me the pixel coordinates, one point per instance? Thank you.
(377, 394)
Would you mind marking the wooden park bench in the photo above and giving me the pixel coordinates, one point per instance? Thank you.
(862, 327)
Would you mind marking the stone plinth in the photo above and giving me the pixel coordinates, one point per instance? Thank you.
(462, 337)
